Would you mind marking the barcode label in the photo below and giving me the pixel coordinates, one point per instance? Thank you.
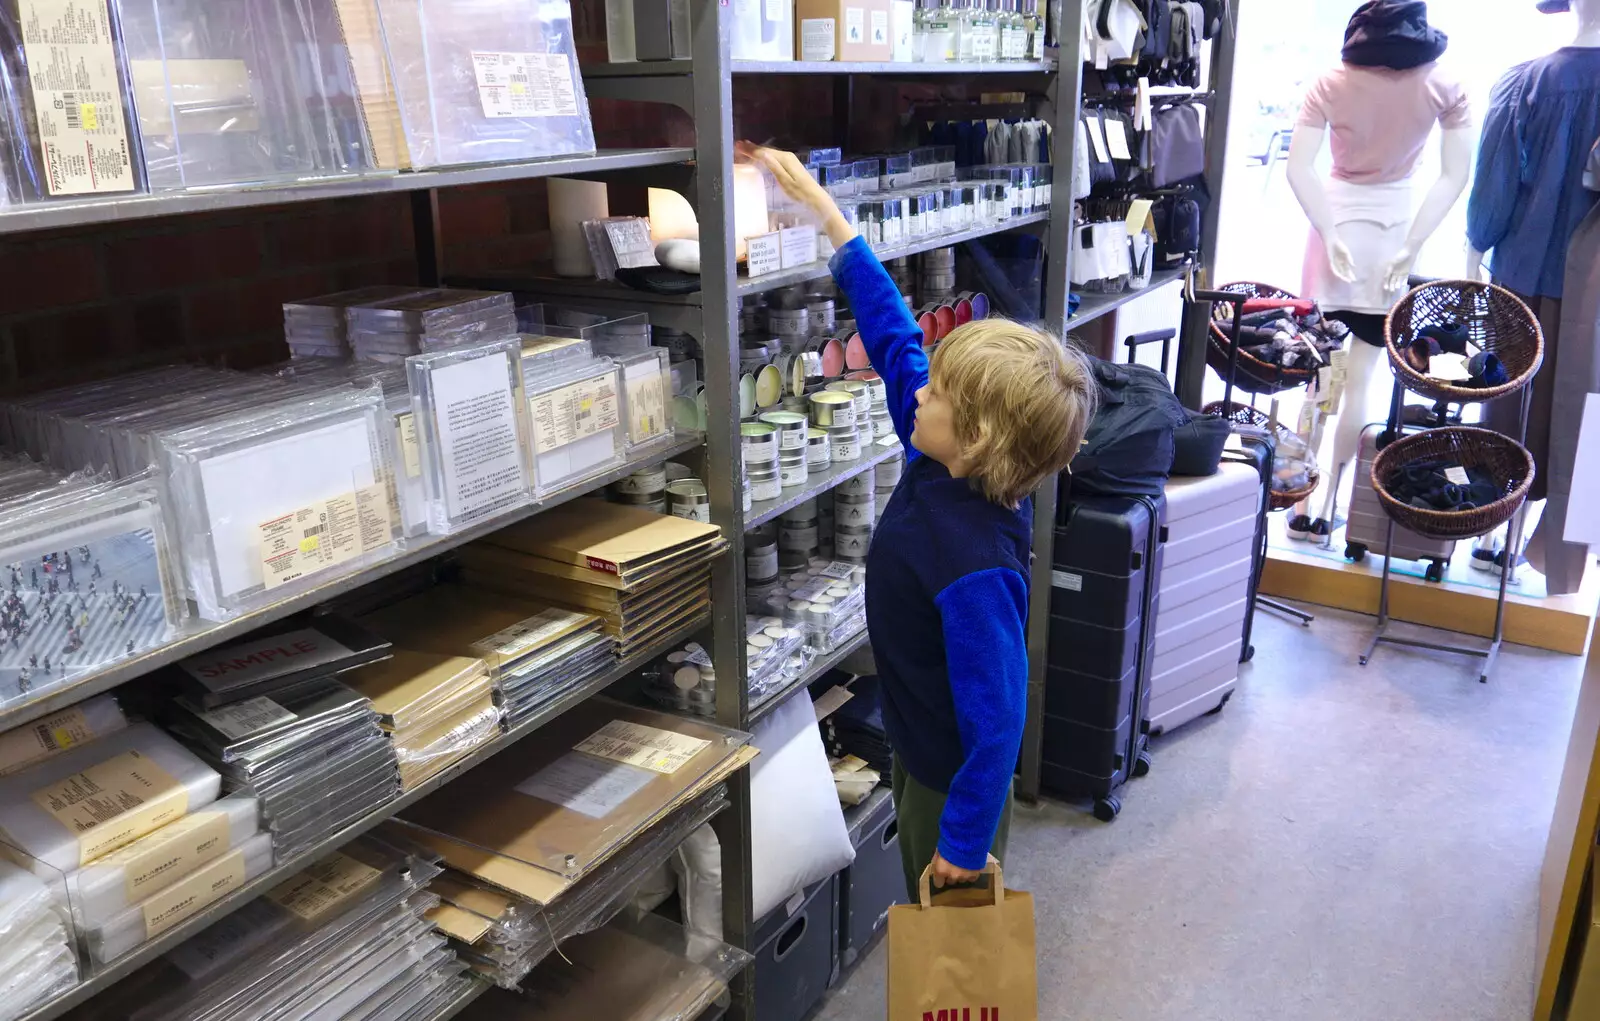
(316, 530)
(69, 104)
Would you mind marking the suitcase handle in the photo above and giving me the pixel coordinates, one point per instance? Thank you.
(1138, 560)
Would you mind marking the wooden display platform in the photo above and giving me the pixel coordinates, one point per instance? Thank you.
(1557, 623)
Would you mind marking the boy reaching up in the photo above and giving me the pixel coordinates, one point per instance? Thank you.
(1001, 407)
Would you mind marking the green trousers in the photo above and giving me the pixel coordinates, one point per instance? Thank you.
(917, 810)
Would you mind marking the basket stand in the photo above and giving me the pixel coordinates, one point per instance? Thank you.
(1490, 654)
(1237, 300)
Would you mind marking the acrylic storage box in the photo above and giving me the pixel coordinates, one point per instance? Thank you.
(150, 776)
(325, 513)
(76, 140)
(472, 427)
(46, 738)
(37, 957)
(486, 81)
(613, 335)
(762, 30)
(113, 536)
(646, 389)
(240, 92)
(410, 504)
(575, 410)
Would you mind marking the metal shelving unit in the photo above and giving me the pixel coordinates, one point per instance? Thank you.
(203, 635)
(1094, 306)
(763, 708)
(280, 871)
(762, 511)
(47, 215)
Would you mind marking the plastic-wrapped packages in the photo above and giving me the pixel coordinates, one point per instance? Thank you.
(34, 742)
(471, 416)
(326, 512)
(65, 103)
(91, 582)
(575, 409)
(111, 884)
(436, 708)
(646, 389)
(486, 81)
(166, 908)
(390, 329)
(236, 92)
(94, 798)
(36, 957)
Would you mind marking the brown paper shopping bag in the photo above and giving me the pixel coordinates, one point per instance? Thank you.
(966, 956)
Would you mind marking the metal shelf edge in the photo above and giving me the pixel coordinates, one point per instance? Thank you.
(280, 871)
(818, 270)
(764, 708)
(53, 215)
(421, 549)
(1094, 306)
(765, 510)
(685, 66)
(475, 988)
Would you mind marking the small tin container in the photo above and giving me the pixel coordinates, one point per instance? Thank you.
(761, 561)
(886, 474)
(793, 471)
(819, 453)
(851, 541)
(858, 486)
(644, 482)
(688, 498)
(759, 442)
(844, 444)
(853, 512)
(829, 409)
(791, 428)
(801, 536)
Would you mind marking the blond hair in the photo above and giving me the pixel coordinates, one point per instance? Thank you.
(1020, 401)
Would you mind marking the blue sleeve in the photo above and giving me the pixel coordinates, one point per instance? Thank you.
(1499, 172)
(987, 652)
(892, 338)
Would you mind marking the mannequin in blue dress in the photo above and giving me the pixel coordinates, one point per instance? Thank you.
(1527, 201)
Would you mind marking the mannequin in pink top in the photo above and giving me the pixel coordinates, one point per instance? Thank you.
(1378, 108)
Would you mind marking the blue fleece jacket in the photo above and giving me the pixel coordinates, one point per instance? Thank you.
(947, 597)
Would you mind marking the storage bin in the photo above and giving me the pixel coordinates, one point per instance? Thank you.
(875, 881)
(798, 957)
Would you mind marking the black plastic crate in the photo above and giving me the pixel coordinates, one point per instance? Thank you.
(875, 881)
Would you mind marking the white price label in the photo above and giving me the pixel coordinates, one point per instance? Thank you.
(798, 246)
(855, 25)
(766, 253)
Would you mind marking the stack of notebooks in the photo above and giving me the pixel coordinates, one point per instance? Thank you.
(345, 938)
(536, 654)
(127, 833)
(565, 824)
(646, 575)
(315, 756)
(436, 709)
(647, 970)
(503, 935)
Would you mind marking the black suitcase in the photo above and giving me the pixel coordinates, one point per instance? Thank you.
(1102, 643)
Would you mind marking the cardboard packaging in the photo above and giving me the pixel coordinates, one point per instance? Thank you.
(1586, 988)
(860, 30)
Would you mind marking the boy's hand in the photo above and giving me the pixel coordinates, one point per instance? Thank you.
(945, 873)
(797, 182)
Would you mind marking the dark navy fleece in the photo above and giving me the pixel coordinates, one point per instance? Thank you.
(947, 597)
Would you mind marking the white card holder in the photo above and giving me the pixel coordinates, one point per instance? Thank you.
(472, 428)
(275, 500)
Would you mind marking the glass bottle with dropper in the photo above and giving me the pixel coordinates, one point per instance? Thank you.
(985, 34)
(1013, 33)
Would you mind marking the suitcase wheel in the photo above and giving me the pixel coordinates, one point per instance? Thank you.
(1218, 709)
(1106, 808)
(1355, 552)
(1249, 654)
(1141, 765)
(1435, 570)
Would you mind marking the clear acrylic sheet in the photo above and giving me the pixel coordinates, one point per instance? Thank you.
(37, 959)
(232, 92)
(486, 81)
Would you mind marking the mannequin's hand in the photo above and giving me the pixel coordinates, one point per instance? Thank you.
(1340, 260)
(1397, 273)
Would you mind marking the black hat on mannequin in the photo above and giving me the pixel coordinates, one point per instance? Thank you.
(1554, 6)
(1393, 34)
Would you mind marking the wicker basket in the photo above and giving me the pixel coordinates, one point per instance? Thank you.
(1254, 375)
(1505, 459)
(1244, 414)
(1496, 320)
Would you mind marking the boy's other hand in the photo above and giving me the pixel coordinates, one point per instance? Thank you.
(944, 873)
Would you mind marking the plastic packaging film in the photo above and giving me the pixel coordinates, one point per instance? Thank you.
(472, 427)
(233, 92)
(92, 799)
(36, 957)
(46, 738)
(575, 408)
(481, 81)
(600, 773)
(71, 141)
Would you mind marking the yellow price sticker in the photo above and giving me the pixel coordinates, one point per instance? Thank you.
(89, 117)
(63, 738)
(518, 89)
(309, 544)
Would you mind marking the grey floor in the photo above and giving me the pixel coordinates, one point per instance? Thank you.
(1340, 843)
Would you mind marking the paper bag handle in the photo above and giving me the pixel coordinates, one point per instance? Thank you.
(990, 868)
